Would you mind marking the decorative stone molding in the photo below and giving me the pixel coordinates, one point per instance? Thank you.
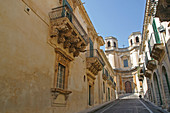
(93, 65)
(151, 65)
(55, 92)
(76, 3)
(158, 51)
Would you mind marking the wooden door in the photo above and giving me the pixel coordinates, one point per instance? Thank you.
(128, 87)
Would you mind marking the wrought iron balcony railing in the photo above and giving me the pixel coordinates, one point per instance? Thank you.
(111, 79)
(64, 11)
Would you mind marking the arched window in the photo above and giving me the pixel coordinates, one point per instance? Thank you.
(114, 44)
(131, 42)
(137, 39)
(166, 83)
(157, 89)
(108, 43)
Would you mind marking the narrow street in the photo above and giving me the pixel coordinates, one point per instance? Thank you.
(130, 104)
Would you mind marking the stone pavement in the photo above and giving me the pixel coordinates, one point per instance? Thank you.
(129, 103)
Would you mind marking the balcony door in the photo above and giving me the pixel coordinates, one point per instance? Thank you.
(67, 14)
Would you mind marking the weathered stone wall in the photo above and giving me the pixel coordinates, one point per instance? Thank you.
(26, 60)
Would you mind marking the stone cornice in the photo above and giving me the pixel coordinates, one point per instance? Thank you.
(119, 70)
(127, 49)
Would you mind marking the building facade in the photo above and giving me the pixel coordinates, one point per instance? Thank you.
(124, 62)
(154, 53)
(51, 61)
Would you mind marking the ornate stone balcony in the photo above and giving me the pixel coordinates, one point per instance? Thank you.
(151, 65)
(110, 80)
(105, 74)
(67, 31)
(94, 61)
(158, 51)
(156, 46)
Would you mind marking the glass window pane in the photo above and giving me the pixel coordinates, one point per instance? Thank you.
(61, 76)
(125, 63)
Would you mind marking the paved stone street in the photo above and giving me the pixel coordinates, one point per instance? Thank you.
(129, 104)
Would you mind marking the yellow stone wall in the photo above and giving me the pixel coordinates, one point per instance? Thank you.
(27, 61)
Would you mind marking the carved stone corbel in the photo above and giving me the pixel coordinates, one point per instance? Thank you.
(61, 39)
(66, 97)
(55, 94)
(74, 39)
(72, 48)
(88, 65)
(82, 49)
(67, 44)
(78, 45)
(76, 53)
(68, 33)
(54, 31)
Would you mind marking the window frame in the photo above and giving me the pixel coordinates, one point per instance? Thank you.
(63, 59)
(61, 76)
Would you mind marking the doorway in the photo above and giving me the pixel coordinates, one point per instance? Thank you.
(128, 87)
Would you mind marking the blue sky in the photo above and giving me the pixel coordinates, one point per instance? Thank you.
(118, 18)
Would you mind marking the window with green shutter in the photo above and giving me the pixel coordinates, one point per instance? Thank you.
(155, 32)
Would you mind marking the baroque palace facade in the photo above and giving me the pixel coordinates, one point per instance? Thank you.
(51, 61)
(154, 59)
